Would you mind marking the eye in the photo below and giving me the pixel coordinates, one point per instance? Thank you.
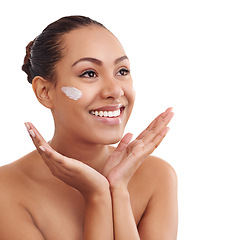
(123, 72)
(88, 74)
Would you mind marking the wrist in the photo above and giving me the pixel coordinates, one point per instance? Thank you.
(119, 192)
(97, 197)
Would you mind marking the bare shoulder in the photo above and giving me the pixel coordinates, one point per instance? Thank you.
(16, 176)
(10, 188)
(154, 177)
(11, 178)
(157, 163)
(15, 219)
(155, 169)
(160, 217)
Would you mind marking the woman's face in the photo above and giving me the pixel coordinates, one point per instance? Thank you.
(95, 63)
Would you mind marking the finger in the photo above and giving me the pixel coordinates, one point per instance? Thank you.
(133, 160)
(156, 142)
(153, 123)
(141, 150)
(153, 130)
(58, 164)
(46, 150)
(122, 147)
(118, 153)
(124, 142)
(49, 155)
(157, 128)
(37, 141)
(130, 163)
(35, 135)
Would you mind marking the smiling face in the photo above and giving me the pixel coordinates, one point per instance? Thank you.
(96, 64)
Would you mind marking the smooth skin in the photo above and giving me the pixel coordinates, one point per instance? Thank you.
(77, 186)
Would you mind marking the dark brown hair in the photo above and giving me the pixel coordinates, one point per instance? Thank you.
(46, 50)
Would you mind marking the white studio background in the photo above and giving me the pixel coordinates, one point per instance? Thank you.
(184, 54)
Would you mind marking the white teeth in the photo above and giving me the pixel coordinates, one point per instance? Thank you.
(106, 113)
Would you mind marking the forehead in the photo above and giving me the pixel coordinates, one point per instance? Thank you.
(92, 41)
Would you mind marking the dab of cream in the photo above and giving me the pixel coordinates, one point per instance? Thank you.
(72, 92)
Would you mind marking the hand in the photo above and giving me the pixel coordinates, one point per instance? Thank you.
(73, 172)
(127, 157)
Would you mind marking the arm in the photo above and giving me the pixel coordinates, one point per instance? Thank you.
(91, 184)
(128, 157)
(119, 169)
(98, 218)
(160, 219)
(124, 223)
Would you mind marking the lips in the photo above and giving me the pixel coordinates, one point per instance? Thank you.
(111, 111)
(106, 113)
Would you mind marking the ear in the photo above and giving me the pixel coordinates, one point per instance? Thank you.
(42, 89)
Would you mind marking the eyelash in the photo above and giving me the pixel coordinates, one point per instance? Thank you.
(125, 72)
(88, 72)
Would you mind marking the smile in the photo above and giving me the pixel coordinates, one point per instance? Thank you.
(111, 111)
(110, 114)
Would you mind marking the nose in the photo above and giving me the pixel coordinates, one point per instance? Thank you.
(112, 88)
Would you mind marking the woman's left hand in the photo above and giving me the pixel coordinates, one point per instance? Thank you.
(127, 157)
(74, 173)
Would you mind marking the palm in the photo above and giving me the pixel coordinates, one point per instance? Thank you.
(72, 172)
(127, 157)
(119, 167)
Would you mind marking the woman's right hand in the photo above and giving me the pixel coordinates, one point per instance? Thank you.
(72, 172)
(128, 156)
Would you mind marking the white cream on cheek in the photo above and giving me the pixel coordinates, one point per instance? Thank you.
(72, 92)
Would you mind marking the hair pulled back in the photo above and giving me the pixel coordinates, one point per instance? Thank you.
(46, 50)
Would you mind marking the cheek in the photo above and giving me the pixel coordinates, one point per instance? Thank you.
(72, 92)
(129, 93)
(75, 97)
(68, 102)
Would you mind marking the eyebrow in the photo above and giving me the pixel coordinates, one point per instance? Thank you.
(120, 59)
(97, 61)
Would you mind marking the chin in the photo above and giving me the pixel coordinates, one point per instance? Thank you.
(109, 139)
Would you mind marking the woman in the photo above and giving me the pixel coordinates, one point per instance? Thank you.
(77, 186)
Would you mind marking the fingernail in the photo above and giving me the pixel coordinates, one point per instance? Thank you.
(42, 148)
(167, 130)
(27, 126)
(31, 132)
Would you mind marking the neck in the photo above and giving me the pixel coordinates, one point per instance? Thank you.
(93, 155)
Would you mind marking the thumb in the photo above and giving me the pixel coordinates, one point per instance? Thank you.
(124, 142)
